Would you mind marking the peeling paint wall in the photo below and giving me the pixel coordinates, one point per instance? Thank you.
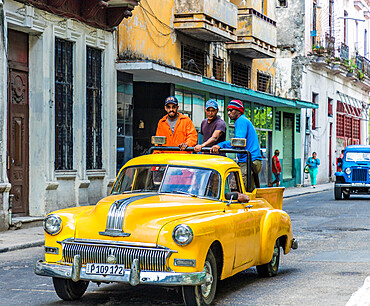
(149, 34)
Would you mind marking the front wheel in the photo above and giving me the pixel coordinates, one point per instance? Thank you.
(68, 290)
(337, 193)
(205, 293)
(271, 268)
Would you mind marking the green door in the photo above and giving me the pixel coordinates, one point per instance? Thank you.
(288, 148)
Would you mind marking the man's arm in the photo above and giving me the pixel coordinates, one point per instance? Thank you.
(215, 136)
(191, 138)
(274, 164)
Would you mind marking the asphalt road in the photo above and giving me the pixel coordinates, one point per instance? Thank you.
(331, 263)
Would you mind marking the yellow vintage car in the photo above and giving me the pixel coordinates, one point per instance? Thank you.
(171, 220)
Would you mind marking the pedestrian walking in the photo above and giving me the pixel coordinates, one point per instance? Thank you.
(313, 162)
(213, 128)
(243, 129)
(276, 169)
(178, 128)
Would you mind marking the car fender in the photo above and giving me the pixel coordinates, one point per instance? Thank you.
(207, 229)
(276, 224)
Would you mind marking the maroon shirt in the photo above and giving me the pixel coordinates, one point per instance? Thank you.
(207, 130)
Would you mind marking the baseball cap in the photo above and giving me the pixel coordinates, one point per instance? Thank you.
(171, 99)
(236, 104)
(211, 103)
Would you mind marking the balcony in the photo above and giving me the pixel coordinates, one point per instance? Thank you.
(256, 35)
(97, 13)
(206, 20)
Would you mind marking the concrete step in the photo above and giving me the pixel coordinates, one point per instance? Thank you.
(26, 222)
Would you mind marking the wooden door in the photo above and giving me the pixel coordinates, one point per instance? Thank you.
(18, 126)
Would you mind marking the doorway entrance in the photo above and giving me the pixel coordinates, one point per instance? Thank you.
(288, 148)
(18, 121)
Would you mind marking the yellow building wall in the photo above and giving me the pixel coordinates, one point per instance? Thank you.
(147, 35)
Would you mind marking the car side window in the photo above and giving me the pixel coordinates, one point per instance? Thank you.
(232, 182)
(213, 185)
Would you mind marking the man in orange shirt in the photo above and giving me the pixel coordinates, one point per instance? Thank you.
(178, 129)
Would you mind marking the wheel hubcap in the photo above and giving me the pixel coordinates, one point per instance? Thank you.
(207, 286)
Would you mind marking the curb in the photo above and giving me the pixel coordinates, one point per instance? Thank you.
(306, 193)
(22, 246)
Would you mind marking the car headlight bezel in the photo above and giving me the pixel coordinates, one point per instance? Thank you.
(52, 224)
(348, 171)
(184, 231)
(368, 171)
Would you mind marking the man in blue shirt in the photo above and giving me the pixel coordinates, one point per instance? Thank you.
(243, 129)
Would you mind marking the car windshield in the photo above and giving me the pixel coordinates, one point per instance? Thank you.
(177, 180)
(358, 156)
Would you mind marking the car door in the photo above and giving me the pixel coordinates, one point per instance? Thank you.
(244, 222)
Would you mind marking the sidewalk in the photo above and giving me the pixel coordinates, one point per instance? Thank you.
(30, 237)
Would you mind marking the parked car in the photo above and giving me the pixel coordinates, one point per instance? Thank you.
(355, 175)
(172, 220)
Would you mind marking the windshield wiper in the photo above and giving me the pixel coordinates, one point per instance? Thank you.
(182, 192)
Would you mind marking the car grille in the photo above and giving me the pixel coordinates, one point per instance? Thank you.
(151, 259)
(359, 175)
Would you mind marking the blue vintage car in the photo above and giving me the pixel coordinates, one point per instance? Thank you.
(355, 175)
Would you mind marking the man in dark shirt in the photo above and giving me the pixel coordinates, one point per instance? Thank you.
(213, 128)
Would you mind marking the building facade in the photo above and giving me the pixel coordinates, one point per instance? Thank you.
(197, 50)
(58, 103)
(322, 57)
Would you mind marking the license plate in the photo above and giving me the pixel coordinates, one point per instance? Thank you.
(105, 269)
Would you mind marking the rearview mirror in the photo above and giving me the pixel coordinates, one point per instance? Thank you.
(238, 142)
(159, 140)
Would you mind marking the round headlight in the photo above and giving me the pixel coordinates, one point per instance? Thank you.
(52, 224)
(182, 234)
(368, 171)
(348, 171)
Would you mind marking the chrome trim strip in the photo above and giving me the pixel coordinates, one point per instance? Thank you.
(116, 213)
(145, 277)
(114, 233)
(113, 243)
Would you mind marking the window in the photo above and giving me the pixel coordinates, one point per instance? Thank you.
(193, 59)
(63, 105)
(278, 121)
(93, 109)
(330, 107)
(240, 74)
(263, 82)
(218, 68)
(345, 28)
(192, 104)
(314, 33)
(283, 3)
(232, 183)
(298, 123)
(331, 18)
(315, 99)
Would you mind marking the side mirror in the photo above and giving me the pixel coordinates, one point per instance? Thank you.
(238, 142)
(159, 140)
(232, 196)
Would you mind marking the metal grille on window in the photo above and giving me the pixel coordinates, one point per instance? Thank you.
(218, 68)
(298, 123)
(63, 105)
(193, 59)
(93, 109)
(278, 121)
(263, 82)
(340, 125)
(240, 74)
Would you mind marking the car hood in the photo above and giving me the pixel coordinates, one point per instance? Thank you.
(139, 217)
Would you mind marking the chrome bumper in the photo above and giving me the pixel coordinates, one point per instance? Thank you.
(348, 185)
(133, 276)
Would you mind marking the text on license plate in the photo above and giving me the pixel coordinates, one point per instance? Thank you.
(105, 269)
